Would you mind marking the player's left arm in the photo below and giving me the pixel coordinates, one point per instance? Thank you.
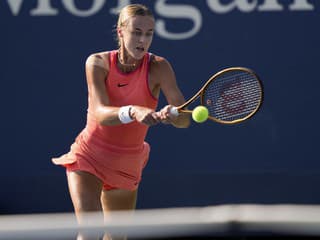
(172, 92)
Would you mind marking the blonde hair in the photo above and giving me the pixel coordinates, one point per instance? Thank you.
(131, 10)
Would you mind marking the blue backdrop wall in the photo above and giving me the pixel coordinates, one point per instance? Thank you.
(271, 158)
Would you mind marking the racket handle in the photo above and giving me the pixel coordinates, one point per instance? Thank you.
(174, 111)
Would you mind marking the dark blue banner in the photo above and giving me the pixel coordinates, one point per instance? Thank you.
(272, 158)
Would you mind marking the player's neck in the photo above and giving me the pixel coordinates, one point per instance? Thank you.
(125, 63)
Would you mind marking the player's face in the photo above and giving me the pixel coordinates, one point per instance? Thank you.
(137, 35)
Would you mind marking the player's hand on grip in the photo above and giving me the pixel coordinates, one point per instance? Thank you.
(165, 114)
(144, 115)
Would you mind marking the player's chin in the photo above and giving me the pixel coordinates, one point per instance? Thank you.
(139, 52)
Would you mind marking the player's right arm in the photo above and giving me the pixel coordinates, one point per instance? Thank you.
(97, 71)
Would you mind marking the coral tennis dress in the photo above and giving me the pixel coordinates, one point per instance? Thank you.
(115, 154)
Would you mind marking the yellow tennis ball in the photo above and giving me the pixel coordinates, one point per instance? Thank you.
(200, 114)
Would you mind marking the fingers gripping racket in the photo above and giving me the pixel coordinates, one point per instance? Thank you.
(231, 96)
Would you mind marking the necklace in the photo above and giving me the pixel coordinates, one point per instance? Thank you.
(127, 67)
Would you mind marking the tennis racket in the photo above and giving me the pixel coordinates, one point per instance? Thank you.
(231, 96)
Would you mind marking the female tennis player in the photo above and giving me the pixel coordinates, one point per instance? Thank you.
(105, 163)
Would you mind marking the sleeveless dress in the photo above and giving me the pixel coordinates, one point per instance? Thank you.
(115, 154)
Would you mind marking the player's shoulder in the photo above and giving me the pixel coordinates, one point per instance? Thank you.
(99, 55)
(99, 59)
(156, 59)
(159, 62)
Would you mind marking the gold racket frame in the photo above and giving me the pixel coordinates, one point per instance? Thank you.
(212, 78)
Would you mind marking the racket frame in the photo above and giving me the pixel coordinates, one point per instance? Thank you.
(200, 94)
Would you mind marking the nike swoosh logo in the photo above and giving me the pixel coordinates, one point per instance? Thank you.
(122, 85)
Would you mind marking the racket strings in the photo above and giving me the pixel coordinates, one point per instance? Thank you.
(233, 95)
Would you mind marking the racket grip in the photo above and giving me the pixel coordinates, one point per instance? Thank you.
(174, 111)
